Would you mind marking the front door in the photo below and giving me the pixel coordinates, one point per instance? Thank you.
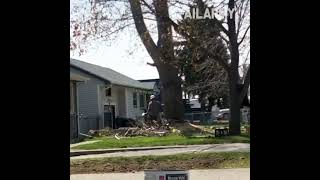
(109, 116)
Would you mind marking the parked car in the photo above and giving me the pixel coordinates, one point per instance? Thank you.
(224, 114)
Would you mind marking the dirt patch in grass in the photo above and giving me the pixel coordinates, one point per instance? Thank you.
(188, 129)
(180, 161)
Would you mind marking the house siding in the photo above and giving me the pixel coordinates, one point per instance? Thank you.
(74, 128)
(115, 100)
(133, 112)
(121, 109)
(92, 98)
(89, 103)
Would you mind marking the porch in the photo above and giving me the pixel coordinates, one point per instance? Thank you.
(122, 102)
(74, 115)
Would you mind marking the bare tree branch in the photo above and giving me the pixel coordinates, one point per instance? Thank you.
(242, 15)
(221, 3)
(224, 39)
(246, 59)
(119, 29)
(219, 24)
(179, 2)
(239, 10)
(151, 64)
(245, 9)
(148, 6)
(243, 37)
(143, 31)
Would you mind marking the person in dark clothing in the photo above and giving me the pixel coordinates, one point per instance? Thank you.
(154, 109)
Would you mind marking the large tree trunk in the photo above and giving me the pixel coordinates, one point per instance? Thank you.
(167, 68)
(163, 56)
(172, 94)
(235, 91)
(234, 121)
(234, 79)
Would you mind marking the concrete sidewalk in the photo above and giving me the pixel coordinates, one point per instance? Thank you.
(126, 152)
(75, 152)
(208, 174)
(81, 143)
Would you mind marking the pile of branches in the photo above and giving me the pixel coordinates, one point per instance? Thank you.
(138, 127)
(143, 127)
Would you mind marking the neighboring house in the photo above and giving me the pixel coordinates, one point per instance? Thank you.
(155, 85)
(107, 95)
(74, 105)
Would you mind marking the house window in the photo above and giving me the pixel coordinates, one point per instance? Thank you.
(108, 92)
(141, 99)
(135, 100)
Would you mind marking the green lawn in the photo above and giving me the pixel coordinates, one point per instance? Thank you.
(111, 142)
(178, 161)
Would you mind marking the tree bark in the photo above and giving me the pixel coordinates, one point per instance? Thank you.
(168, 72)
(143, 31)
(234, 121)
(234, 78)
(172, 96)
(235, 91)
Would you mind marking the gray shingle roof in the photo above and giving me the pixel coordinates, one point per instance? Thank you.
(109, 74)
(150, 85)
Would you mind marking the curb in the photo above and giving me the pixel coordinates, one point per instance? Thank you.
(102, 151)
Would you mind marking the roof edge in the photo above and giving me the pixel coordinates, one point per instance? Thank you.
(92, 74)
(105, 80)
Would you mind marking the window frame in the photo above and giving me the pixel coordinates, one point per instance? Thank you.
(108, 92)
(142, 100)
(134, 99)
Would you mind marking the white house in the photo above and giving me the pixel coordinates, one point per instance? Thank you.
(107, 95)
